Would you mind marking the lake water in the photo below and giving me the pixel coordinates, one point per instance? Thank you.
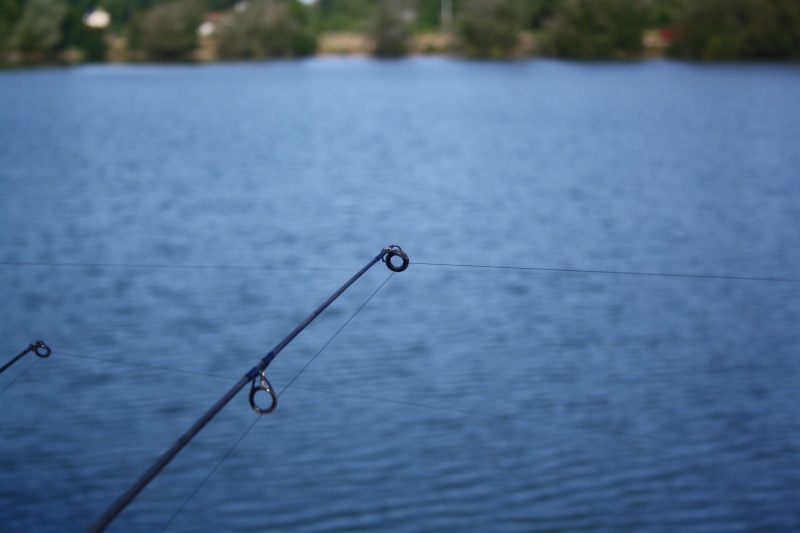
(133, 197)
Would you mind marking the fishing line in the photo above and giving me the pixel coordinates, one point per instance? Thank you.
(170, 266)
(400, 402)
(387, 255)
(481, 414)
(19, 376)
(452, 265)
(654, 440)
(255, 421)
(335, 334)
(144, 365)
(614, 272)
(210, 474)
(656, 443)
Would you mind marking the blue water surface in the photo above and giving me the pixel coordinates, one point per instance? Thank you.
(163, 227)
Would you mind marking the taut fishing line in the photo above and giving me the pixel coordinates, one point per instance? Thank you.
(257, 374)
(144, 365)
(452, 265)
(4, 389)
(385, 400)
(255, 421)
(158, 266)
(616, 272)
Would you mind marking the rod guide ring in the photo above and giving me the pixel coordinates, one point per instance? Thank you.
(265, 386)
(395, 251)
(40, 345)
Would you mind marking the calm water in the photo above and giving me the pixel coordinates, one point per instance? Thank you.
(489, 400)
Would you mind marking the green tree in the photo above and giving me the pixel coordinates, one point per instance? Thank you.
(429, 15)
(345, 15)
(167, 32)
(39, 28)
(91, 41)
(122, 11)
(76, 34)
(534, 14)
(738, 29)
(488, 28)
(264, 29)
(9, 14)
(389, 29)
(661, 13)
(597, 29)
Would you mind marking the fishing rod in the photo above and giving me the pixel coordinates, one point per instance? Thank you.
(38, 347)
(255, 374)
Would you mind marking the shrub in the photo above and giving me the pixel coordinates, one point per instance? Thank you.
(597, 29)
(167, 32)
(389, 30)
(488, 28)
(265, 28)
(39, 29)
(77, 35)
(9, 14)
(738, 29)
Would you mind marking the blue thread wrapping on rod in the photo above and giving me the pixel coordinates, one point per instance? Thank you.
(102, 523)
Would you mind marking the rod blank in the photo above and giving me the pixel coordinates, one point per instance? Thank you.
(123, 501)
(38, 347)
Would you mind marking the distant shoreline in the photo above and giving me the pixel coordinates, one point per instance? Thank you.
(330, 44)
(351, 45)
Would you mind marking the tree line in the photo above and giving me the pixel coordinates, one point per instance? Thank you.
(166, 30)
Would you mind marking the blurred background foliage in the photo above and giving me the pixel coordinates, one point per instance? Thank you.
(389, 28)
(265, 28)
(738, 29)
(170, 30)
(488, 28)
(597, 29)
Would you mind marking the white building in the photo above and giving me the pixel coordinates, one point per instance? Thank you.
(99, 18)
